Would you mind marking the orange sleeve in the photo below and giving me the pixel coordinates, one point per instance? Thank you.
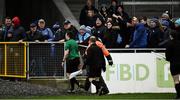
(104, 50)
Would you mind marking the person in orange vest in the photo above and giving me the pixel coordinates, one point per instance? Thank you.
(105, 89)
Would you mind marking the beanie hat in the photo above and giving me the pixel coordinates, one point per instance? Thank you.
(16, 21)
(177, 22)
(82, 27)
(165, 23)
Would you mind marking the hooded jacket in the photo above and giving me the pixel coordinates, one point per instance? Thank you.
(139, 37)
(17, 31)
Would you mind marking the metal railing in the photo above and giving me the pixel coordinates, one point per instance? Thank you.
(43, 60)
(13, 59)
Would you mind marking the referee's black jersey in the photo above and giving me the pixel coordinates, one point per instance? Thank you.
(173, 55)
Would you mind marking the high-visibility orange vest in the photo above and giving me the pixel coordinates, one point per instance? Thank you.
(105, 51)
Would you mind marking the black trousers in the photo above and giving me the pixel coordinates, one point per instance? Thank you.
(102, 82)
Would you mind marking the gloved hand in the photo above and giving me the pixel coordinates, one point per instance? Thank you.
(110, 62)
(109, 59)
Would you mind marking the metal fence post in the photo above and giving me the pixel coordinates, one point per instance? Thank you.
(27, 58)
(64, 65)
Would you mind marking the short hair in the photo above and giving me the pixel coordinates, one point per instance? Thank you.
(92, 39)
(8, 18)
(70, 34)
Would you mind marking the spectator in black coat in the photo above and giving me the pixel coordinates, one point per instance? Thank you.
(155, 34)
(166, 30)
(113, 7)
(91, 18)
(173, 56)
(110, 36)
(67, 27)
(83, 15)
(33, 34)
(99, 29)
(7, 25)
(16, 32)
(103, 12)
(1, 32)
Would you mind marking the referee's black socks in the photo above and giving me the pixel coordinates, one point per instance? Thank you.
(72, 82)
(177, 87)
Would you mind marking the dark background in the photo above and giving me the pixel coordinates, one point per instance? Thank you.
(32, 10)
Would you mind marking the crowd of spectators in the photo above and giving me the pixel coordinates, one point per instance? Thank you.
(112, 25)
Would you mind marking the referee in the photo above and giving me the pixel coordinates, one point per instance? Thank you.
(173, 56)
(71, 56)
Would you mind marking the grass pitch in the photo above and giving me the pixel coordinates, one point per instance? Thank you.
(135, 96)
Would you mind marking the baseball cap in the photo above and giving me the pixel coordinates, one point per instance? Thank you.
(66, 22)
(33, 25)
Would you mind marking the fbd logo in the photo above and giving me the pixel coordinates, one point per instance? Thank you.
(164, 78)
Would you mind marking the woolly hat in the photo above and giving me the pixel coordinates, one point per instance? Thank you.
(165, 23)
(177, 22)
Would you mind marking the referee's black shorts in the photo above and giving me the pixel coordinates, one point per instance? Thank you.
(72, 65)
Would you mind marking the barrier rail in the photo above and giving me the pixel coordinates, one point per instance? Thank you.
(13, 59)
(31, 60)
(45, 59)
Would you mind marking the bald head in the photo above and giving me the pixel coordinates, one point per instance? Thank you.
(92, 39)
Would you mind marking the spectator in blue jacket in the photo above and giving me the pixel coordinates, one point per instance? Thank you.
(139, 36)
(46, 32)
(83, 35)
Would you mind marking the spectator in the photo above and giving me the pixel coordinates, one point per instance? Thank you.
(16, 32)
(155, 35)
(177, 25)
(113, 7)
(139, 35)
(103, 12)
(33, 34)
(124, 30)
(83, 15)
(143, 20)
(166, 16)
(67, 27)
(166, 31)
(110, 36)
(46, 32)
(1, 32)
(55, 27)
(83, 35)
(7, 25)
(122, 14)
(99, 29)
(91, 18)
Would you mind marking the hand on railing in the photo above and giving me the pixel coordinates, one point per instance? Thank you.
(61, 41)
(127, 46)
(45, 40)
(62, 64)
(37, 41)
(20, 41)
